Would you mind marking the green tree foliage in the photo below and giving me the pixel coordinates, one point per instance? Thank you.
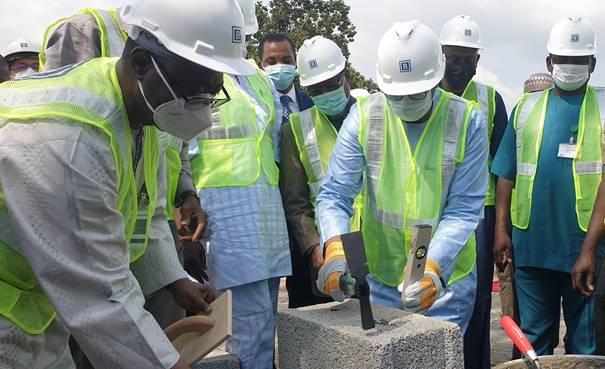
(303, 19)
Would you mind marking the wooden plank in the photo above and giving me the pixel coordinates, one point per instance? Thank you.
(194, 346)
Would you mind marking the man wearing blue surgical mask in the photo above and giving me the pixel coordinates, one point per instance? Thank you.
(322, 68)
(549, 166)
(418, 155)
(278, 60)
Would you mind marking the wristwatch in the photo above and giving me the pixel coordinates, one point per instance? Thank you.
(184, 195)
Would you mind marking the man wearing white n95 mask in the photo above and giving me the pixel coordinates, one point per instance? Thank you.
(549, 166)
(419, 154)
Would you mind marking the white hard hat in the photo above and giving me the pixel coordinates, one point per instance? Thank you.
(318, 60)
(21, 45)
(572, 36)
(209, 33)
(359, 92)
(461, 31)
(249, 11)
(410, 59)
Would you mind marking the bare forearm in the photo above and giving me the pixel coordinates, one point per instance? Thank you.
(596, 227)
(504, 191)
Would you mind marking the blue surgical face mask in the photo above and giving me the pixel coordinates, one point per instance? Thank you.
(282, 75)
(332, 103)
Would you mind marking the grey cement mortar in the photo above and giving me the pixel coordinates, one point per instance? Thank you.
(560, 362)
(330, 336)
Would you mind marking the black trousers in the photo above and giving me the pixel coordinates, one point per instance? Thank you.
(476, 338)
(301, 284)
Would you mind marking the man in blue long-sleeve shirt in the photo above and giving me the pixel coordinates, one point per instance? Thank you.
(420, 155)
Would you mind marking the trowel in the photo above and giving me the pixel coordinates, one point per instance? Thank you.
(520, 340)
(356, 282)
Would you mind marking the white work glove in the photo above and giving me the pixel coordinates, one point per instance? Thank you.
(421, 295)
(335, 265)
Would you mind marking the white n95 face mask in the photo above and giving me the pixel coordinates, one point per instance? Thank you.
(411, 109)
(178, 117)
(26, 73)
(570, 77)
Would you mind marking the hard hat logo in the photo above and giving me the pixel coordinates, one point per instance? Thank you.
(468, 32)
(24, 44)
(405, 66)
(236, 35)
(575, 38)
(313, 64)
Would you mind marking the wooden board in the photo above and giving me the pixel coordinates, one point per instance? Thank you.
(194, 346)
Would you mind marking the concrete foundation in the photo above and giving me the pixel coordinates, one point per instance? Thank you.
(330, 336)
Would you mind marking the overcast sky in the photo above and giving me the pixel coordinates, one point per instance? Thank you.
(514, 31)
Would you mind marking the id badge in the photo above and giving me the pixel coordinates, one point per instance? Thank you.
(567, 151)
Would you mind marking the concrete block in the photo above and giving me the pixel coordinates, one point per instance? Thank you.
(218, 359)
(330, 336)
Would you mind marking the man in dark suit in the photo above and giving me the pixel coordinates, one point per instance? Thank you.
(278, 59)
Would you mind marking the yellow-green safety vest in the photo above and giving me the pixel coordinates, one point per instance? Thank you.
(485, 96)
(404, 188)
(315, 138)
(113, 39)
(528, 122)
(87, 93)
(234, 150)
(172, 146)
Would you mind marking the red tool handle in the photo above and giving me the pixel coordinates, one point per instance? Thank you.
(516, 335)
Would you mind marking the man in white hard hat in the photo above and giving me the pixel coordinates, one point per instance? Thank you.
(22, 58)
(94, 33)
(234, 168)
(306, 147)
(460, 40)
(419, 154)
(549, 166)
(69, 146)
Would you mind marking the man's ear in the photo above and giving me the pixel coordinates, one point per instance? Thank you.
(549, 63)
(593, 63)
(477, 60)
(140, 61)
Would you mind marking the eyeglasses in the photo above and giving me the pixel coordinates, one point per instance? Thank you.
(327, 86)
(415, 97)
(204, 99)
(24, 66)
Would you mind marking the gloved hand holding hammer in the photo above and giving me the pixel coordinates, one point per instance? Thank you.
(335, 266)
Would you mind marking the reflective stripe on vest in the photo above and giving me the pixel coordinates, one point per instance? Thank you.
(315, 138)
(405, 188)
(112, 37)
(587, 166)
(87, 93)
(314, 154)
(172, 146)
(238, 145)
(485, 96)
